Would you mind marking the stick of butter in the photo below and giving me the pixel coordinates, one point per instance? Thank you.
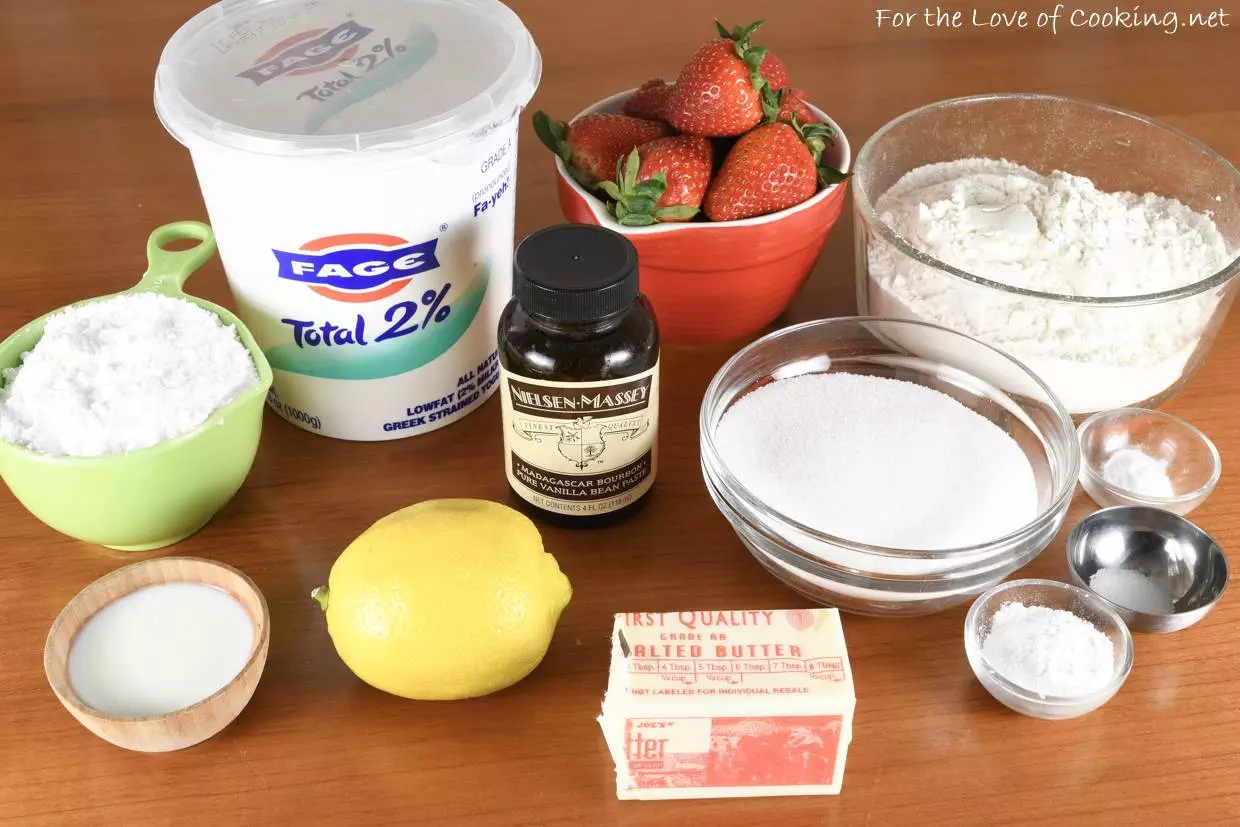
(728, 704)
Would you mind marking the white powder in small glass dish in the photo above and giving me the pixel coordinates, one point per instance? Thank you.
(1134, 471)
(1051, 652)
(122, 374)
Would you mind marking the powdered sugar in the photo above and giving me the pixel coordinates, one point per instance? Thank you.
(878, 461)
(121, 374)
(1048, 651)
(1052, 234)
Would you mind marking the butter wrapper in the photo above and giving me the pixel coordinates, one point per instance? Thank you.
(728, 704)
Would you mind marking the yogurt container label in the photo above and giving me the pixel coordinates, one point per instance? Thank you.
(358, 166)
(310, 50)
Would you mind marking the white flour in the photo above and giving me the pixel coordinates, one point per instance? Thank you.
(1052, 234)
(1048, 651)
(122, 374)
(878, 461)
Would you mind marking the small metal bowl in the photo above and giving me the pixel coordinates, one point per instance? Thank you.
(1189, 458)
(1053, 595)
(1172, 552)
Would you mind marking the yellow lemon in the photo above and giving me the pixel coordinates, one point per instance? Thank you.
(445, 599)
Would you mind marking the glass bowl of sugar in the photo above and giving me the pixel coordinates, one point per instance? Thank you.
(875, 465)
(1096, 245)
(1135, 456)
(1047, 649)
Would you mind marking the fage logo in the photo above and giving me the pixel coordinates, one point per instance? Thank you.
(313, 50)
(357, 267)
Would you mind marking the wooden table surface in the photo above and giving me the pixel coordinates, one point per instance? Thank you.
(89, 171)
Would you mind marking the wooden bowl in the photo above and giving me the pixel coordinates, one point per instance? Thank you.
(174, 730)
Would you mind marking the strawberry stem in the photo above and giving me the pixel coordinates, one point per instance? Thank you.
(746, 51)
(635, 203)
(829, 176)
(772, 103)
(552, 134)
(816, 136)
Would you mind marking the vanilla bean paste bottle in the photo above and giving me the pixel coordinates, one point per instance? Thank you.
(579, 378)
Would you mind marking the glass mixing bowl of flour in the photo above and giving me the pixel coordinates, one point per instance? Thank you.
(1095, 245)
(827, 510)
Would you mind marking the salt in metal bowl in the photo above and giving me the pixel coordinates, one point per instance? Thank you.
(1172, 552)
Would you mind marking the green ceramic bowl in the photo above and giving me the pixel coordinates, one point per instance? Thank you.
(157, 496)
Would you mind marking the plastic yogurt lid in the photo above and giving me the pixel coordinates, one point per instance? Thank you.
(312, 76)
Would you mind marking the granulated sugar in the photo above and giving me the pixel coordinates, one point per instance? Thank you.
(1132, 590)
(1048, 651)
(878, 461)
(122, 374)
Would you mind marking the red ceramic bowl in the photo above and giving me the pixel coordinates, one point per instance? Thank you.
(715, 282)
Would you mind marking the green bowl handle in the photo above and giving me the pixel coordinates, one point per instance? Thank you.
(167, 270)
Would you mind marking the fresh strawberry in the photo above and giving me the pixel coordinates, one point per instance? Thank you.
(772, 168)
(772, 68)
(719, 91)
(774, 71)
(593, 145)
(649, 101)
(663, 180)
(784, 105)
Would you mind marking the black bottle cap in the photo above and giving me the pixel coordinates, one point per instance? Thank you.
(575, 273)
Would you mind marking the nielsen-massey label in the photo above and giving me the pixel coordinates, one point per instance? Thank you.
(580, 447)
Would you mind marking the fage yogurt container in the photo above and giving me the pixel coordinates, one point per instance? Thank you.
(357, 159)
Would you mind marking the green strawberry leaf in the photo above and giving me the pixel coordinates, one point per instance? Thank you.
(815, 136)
(552, 134)
(829, 176)
(637, 220)
(641, 204)
(772, 102)
(683, 212)
(741, 34)
(652, 187)
(635, 203)
(632, 166)
(748, 31)
(753, 58)
(819, 131)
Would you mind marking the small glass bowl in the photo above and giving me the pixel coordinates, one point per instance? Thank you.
(1053, 595)
(1191, 460)
(874, 580)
